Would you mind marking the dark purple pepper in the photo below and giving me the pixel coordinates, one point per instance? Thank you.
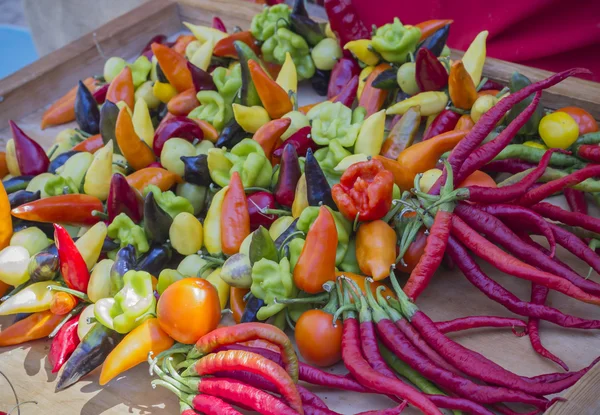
(202, 80)
(430, 73)
(122, 198)
(289, 174)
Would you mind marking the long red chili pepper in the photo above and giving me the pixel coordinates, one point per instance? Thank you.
(463, 260)
(211, 405)
(576, 200)
(477, 322)
(511, 265)
(251, 362)
(576, 246)
(64, 344)
(589, 152)
(223, 336)
(72, 265)
(76, 209)
(512, 166)
(559, 214)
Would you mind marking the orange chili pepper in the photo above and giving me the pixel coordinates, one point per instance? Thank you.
(274, 98)
(90, 144)
(465, 123)
(235, 218)
(376, 248)
(134, 149)
(182, 42)
(429, 27)
(62, 303)
(237, 303)
(3, 164)
(360, 281)
(316, 264)
(305, 108)
(163, 179)
(63, 110)
(121, 88)
(36, 326)
(394, 167)
(4, 287)
(269, 135)
(174, 67)
(76, 209)
(226, 48)
(372, 98)
(6, 228)
(183, 103)
(210, 133)
(488, 92)
(461, 88)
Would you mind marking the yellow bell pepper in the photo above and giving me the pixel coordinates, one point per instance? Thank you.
(371, 135)
(349, 161)
(97, 178)
(431, 102)
(212, 223)
(362, 79)
(363, 50)
(204, 33)
(203, 55)
(250, 118)
(142, 122)
(90, 244)
(163, 91)
(288, 77)
(300, 198)
(222, 287)
(474, 57)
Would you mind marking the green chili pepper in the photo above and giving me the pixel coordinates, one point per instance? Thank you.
(343, 226)
(534, 155)
(76, 167)
(265, 23)
(127, 232)
(212, 109)
(167, 277)
(228, 81)
(335, 121)
(130, 305)
(284, 41)
(329, 157)
(247, 158)
(169, 202)
(270, 281)
(394, 41)
(518, 82)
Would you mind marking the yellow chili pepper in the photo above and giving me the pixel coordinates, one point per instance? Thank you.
(279, 226)
(11, 158)
(362, 79)
(370, 138)
(31, 299)
(250, 118)
(203, 55)
(204, 33)
(142, 122)
(300, 197)
(163, 91)
(363, 50)
(97, 178)
(328, 32)
(474, 57)
(222, 287)
(90, 244)
(431, 102)
(288, 78)
(212, 223)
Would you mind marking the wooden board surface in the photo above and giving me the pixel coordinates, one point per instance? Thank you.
(450, 295)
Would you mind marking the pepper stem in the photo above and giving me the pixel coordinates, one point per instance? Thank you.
(481, 83)
(14, 291)
(408, 308)
(408, 238)
(182, 396)
(100, 215)
(68, 317)
(288, 319)
(154, 368)
(176, 349)
(378, 312)
(256, 189)
(18, 407)
(278, 212)
(83, 297)
(392, 312)
(317, 299)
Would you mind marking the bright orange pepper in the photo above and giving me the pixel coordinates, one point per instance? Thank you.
(76, 209)
(4, 287)
(182, 42)
(305, 108)
(488, 92)
(376, 248)
(90, 144)
(225, 47)
(183, 103)
(372, 98)
(6, 228)
(36, 326)
(268, 136)
(465, 123)
(235, 218)
(3, 165)
(429, 27)
(121, 88)
(174, 67)
(274, 99)
(134, 149)
(461, 88)
(157, 176)
(478, 178)
(400, 174)
(237, 303)
(62, 303)
(63, 110)
(360, 281)
(316, 264)
(210, 133)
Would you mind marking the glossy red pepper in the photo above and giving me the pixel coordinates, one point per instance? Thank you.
(201, 79)
(72, 265)
(74, 209)
(64, 344)
(31, 157)
(345, 21)
(100, 94)
(256, 203)
(301, 141)
(225, 47)
(348, 94)
(445, 121)
(430, 73)
(218, 24)
(372, 99)
(343, 71)
(176, 126)
(122, 198)
(289, 174)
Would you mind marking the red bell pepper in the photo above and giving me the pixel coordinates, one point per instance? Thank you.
(31, 157)
(72, 265)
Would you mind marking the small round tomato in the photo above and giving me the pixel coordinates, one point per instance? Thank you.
(188, 309)
(585, 120)
(414, 253)
(558, 130)
(478, 178)
(318, 340)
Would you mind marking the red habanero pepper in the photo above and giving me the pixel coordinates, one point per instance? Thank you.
(365, 189)
(121, 88)
(76, 209)
(430, 73)
(174, 66)
(235, 219)
(31, 157)
(72, 265)
(122, 198)
(301, 140)
(289, 174)
(445, 121)
(429, 27)
(63, 344)
(269, 135)
(345, 21)
(343, 71)
(218, 24)
(258, 201)
(226, 48)
(175, 126)
(372, 98)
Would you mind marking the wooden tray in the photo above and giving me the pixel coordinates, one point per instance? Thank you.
(24, 96)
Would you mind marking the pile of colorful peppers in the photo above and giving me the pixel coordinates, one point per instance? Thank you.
(195, 185)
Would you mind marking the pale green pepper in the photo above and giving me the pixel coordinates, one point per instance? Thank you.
(228, 81)
(140, 69)
(32, 238)
(395, 42)
(285, 41)
(350, 263)
(335, 121)
(247, 158)
(212, 109)
(90, 244)
(343, 226)
(265, 23)
(194, 194)
(59, 185)
(194, 266)
(127, 232)
(169, 202)
(167, 277)
(295, 248)
(330, 156)
(99, 285)
(271, 281)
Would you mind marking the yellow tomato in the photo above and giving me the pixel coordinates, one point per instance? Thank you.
(558, 130)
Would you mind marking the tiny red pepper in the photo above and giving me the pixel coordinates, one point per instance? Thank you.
(72, 265)
(430, 73)
(256, 203)
(100, 94)
(77, 209)
(176, 126)
(225, 47)
(445, 121)
(218, 24)
(343, 71)
(301, 141)
(64, 344)
(365, 189)
(289, 174)
(122, 198)
(31, 157)
(235, 219)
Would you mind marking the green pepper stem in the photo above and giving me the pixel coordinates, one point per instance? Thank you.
(99, 215)
(481, 83)
(278, 212)
(341, 310)
(14, 291)
(178, 348)
(408, 308)
(378, 312)
(412, 234)
(458, 110)
(256, 189)
(392, 212)
(83, 297)
(68, 317)
(212, 260)
(288, 319)
(503, 91)
(182, 396)
(317, 299)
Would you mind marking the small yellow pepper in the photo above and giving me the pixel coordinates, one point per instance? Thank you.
(363, 50)
(204, 33)
(90, 244)
(300, 197)
(212, 223)
(203, 55)
(11, 158)
(163, 91)
(288, 77)
(142, 122)
(97, 178)
(349, 161)
(250, 118)
(371, 135)
(431, 102)
(222, 287)
(474, 57)
(362, 79)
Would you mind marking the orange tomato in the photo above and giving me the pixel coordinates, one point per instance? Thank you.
(318, 340)
(587, 123)
(188, 309)
(414, 253)
(236, 302)
(478, 178)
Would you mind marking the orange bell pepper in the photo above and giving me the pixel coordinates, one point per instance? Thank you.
(237, 305)
(134, 149)
(146, 338)
(183, 103)
(376, 249)
(372, 98)
(274, 99)
(182, 42)
(90, 144)
(461, 88)
(36, 326)
(316, 264)
(269, 135)
(225, 47)
(429, 27)
(75, 209)
(235, 218)
(3, 165)
(360, 281)
(6, 228)
(210, 133)
(63, 110)
(162, 178)
(174, 67)
(465, 123)
(121, 88)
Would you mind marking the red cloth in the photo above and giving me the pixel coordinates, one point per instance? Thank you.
(548, 34)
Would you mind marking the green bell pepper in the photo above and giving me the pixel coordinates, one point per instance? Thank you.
(130, 306)
(329, 157)
(270, 281)
(394, 41)
(343, 226)
(335, 121)
(59, 185)
(265, 23)
(169, 202)
(126, 232)
(228, 82)
(349, 262)
(247, 158)
(212, 109)
(284, 41)
(167, 277)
